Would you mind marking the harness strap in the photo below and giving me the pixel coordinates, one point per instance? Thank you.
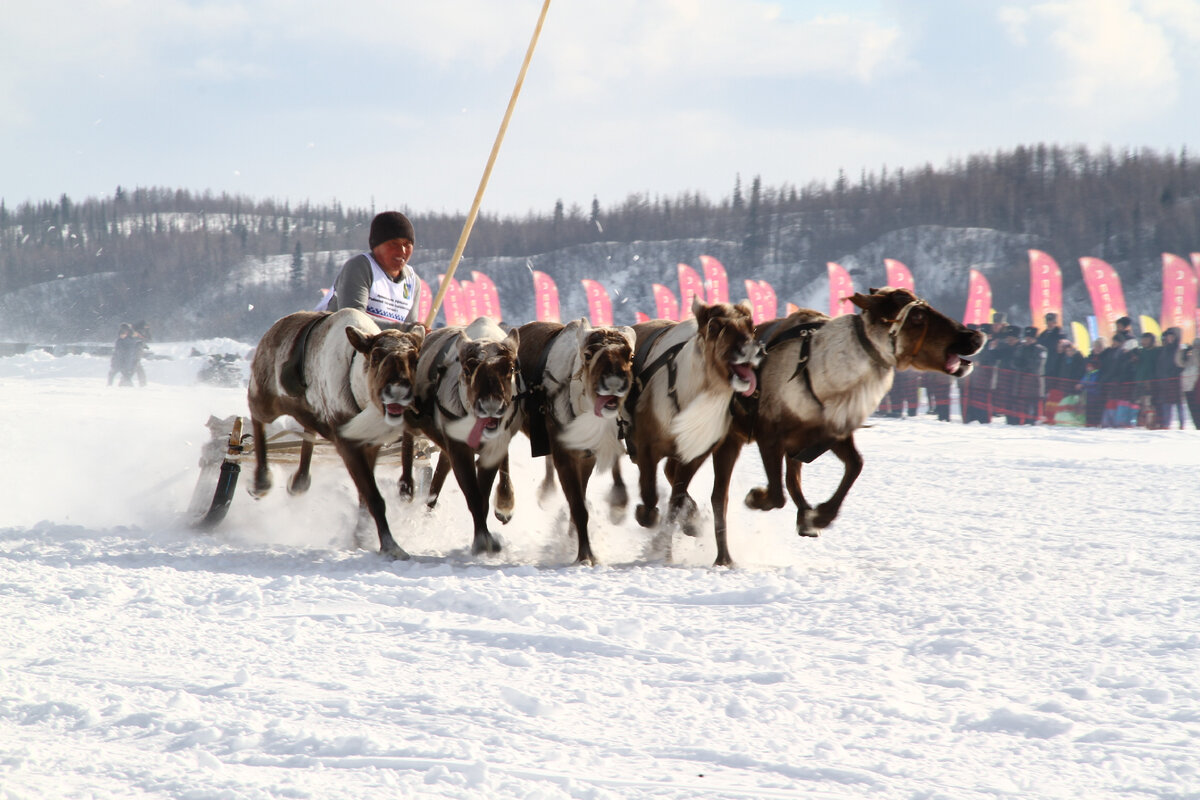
(804, 332)
(538, 402)
(439, 367)
(860, 329)
(898, 323)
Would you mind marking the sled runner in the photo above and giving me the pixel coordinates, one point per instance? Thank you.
(221, 462)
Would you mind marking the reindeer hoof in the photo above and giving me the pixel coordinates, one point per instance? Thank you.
(404, 487)
(822, 516)
(504, 515)
(760, 500)
(485, 542)
(299, 483)
(431, 501)
(618, 497)
(393, 552)
(646, 517)
(804, 525)
(683, 509)
(262, 484)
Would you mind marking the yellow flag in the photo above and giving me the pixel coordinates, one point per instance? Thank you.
(1082, 343)
(1150, 325)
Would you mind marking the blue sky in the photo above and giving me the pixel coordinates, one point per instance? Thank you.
(395, 104)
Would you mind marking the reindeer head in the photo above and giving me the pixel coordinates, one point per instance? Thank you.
(921, 337)
(391, 357)
(726, 335)
(606, 358)
(488, 383)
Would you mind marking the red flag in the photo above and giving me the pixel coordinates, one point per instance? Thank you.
(425, 303)
(715, 280)
(545, 294)
(453, 305)
(487, 297)
(690, 286)
(1045, 287)
(898, 275)
(1179, 296)
(979, 300)
(469, 293)
(1108, 299)
(599, 304)
(667, 306)
(792, 308)
(638, 316)
(770, 304)
(840, 290)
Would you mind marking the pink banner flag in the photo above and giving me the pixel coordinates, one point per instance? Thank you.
(488, 297)
(1179, 297)
(841, 288)
(545, 293)
(715, 280)
(425, 303)
(979, 300)
(452, 304)
(898, 275)
(639, 316)
(1108, 299)
(770, 304)
(599, 304)
(470, 301)
(1045, 288)
(792, 308)
(690, 286)
(664, 300)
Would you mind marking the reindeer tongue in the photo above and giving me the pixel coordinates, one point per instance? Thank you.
(746, 373)
(953, 362)
(476, 434)
(601, 402)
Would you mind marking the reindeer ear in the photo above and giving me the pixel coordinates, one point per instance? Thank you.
(629, 335)
(745, 307)
(469, 355)
(419, 332)
(697, 304)
(359, 340)
(514, 339)
(583, 329)
(862, 300)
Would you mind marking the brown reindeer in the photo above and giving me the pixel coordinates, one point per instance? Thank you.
(686, 373)
(355, 383)
(578, 377)
(819, 381)
(467, 405)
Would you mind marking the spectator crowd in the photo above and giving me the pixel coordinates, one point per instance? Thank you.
(1026, 377)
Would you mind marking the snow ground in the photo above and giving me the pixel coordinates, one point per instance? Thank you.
(999, 613)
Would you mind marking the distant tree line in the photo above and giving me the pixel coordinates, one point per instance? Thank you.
(1120, 205)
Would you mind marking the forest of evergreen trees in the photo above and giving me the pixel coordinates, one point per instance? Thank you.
(1126, 206)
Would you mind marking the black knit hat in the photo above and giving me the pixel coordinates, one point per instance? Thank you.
(1031, 332)
(390, 225)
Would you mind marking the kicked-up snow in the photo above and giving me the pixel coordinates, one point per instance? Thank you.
(1000, 612)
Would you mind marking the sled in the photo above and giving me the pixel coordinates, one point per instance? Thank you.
(222, 456)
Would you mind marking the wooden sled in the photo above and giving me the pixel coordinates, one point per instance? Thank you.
(221, 462)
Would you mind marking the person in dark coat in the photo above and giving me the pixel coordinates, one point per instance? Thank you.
(1004, 380)
(1168, 366)
(1050, 338)
(1029, 366)
(127, 353)
(974, 390)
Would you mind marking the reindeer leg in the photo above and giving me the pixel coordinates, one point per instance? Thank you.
(765, 499)
(547, 487)
(262, 473)
(573, 475)
(301, 480)
(504, 494)
(359, 463)
(852, 463)
(724, 459)
(803, 510)
(618, 495)
(487, 476)
(406, 485)
(647, 511)
(682, 507)
(440, 471)
(462, 459)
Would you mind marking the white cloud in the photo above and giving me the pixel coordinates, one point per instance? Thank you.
(1114, 58)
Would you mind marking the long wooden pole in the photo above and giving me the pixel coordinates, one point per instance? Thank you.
(487, 173)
